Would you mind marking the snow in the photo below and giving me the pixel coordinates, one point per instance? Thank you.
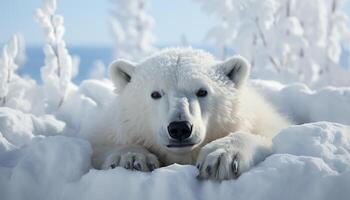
(46, 166)
(20, 128)
(59, 65)
(327, 141)
(45, 128)
(131, 28)
(301, 40)
(49, 157)
(303, 104)
(284, 175)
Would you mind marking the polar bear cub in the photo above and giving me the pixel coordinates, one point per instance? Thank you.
(183, 106)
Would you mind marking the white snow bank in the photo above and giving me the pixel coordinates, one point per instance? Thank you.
(311, 161)
(330, 142)
(304, 105)
(84, 107)
(46, 166)
(19, 128)
(317, 167)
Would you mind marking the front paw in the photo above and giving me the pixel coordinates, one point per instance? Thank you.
(220, 163)
(133, 158)
(228, 157)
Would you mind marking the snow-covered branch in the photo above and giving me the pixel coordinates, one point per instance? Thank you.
(14, 90)
(289, 39)
(57, 72)
(132, 29)
(8, 67)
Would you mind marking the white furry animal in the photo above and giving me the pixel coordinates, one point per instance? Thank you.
(183, 106)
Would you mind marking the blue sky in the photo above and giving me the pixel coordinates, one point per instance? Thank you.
(86, 21)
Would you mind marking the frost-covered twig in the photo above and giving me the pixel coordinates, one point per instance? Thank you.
(265, 44)
(286, 39)
(8, 67)
(132, 29)
(222, 34)
(57, 72)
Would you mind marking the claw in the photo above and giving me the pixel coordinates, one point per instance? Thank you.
(128, 165)
(151, 166)
(113, 165)
(198, 166)
(235, 166)
(217, 165)
(137, 166)
(208, 170)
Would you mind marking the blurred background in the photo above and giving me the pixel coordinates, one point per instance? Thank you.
(285, 40)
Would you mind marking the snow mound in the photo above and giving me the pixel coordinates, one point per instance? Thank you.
(304, 105)
(310, 161)
(318, 167)
(47, 165)
(49, 157)
(327, 141)
(19, 128)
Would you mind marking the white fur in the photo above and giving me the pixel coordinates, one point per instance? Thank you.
(232, 126)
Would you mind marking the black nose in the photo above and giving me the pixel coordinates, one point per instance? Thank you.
(180, 130)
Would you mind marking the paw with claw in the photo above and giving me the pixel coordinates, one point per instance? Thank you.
(220, 163)
(133, 158)
(228, 157)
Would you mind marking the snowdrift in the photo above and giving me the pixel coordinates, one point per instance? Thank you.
(48, 157)
(304, 105)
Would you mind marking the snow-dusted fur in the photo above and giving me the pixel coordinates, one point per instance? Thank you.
(232, 125)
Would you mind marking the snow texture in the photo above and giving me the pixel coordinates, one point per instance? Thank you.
(131, 27)
(48, 157)
(59, 65)
(303, 104)
(289, 40)
(15, 91)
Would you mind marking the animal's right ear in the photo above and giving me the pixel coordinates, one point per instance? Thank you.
(121, 72)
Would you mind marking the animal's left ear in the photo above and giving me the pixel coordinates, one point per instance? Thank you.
(236, 69)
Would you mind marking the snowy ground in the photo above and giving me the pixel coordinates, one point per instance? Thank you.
(47, 157)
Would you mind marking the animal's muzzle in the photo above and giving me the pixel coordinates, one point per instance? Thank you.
(180, 130)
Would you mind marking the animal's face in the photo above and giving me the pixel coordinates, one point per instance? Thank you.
(179, 96)
(179, 108)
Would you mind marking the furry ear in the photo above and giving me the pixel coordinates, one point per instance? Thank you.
(121, 72)
(237, 69)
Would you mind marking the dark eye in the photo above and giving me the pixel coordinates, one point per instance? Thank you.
(202, 93)
(156, 95)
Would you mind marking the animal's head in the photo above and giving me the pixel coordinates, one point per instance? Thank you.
(178, 97)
